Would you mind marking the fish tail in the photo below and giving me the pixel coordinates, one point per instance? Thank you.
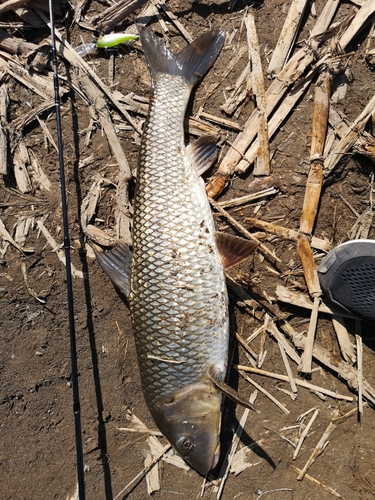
(191, 63)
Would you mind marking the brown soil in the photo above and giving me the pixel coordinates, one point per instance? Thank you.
(36, 412)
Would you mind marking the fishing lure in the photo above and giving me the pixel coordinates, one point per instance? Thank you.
(105, 42)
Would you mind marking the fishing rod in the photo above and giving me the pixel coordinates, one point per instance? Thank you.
(73, 349)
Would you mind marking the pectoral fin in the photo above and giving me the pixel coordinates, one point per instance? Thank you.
(202, 153)
(228, 391)
(117, 264)
(233, 250)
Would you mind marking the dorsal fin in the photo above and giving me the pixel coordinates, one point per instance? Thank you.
(228, 391)
(202, 153)
(117, 264)
(233, 249)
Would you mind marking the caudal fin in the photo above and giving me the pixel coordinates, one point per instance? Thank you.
(191, 63)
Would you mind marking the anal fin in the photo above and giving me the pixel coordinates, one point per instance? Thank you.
(228, 391)
(116, 263)
(233, 249)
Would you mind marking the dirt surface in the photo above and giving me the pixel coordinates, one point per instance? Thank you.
(36, 412)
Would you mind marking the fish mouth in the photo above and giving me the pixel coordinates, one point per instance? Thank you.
(215, 458)
(191, 423)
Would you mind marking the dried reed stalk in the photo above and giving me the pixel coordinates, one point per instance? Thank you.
(325, 487)
(287, 37)
(305, 432)
(298, 299)
(358, 340)
(129, 487)
(11, 5)
(79, 6)
(5, 235)
(242, 230)
(262, 166)
(93, 94)
(276, 120)
(237, 158)
(346, 346)
(314, 181)
(296, 66)
(251, 306)
(280, 338)
(90, 202)
(284, 232)
(28, 117)
(152, 476)
(4, 102)
(220, 121)
(116, 13)
(123, 208)
(67, 51)
(195, 126)
(310, 208)
(224, 472)
(301, 383)
(341, 418)
(241, 90)
(38, 175)
(238, 52)
(288, 369)
(246, 346)
(362, 18)
(21, 174)
(334, 363)
(265, 392)
(15, 45)
(318, 450)
(351, 136)
(41, 85)
(57, 248)
(234, 202)
(174, 20)
(28, 287)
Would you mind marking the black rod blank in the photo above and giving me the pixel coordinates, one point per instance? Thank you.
(73, 349)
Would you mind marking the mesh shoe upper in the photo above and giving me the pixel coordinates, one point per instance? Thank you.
(347, 277)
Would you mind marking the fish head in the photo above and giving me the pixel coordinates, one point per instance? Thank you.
(191, 423)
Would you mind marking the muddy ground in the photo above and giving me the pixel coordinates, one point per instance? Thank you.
(36, 411)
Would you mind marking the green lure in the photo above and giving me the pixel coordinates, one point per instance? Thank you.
(113, 39)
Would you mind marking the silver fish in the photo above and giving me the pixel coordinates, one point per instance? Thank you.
(177, 291)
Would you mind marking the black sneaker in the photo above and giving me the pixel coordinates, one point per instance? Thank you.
(347, 277)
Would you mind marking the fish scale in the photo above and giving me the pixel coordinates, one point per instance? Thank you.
(178, 295)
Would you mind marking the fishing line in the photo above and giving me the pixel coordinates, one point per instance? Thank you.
(73, 350)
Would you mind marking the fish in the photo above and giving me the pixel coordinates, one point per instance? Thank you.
(174, 277)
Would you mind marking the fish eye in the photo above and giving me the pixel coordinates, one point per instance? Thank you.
(184, 443)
